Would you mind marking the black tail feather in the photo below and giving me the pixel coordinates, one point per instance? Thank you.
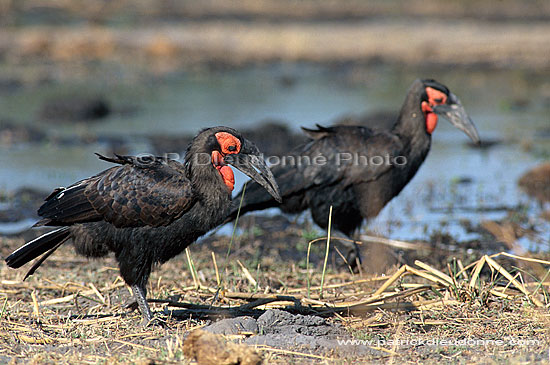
(47, 243)
(39, 262)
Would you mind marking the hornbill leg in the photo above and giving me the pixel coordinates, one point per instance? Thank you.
(353, 255)
(140, 294)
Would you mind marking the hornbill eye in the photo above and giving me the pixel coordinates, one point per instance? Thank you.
(232, 148)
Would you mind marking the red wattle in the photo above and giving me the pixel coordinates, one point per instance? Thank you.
(431, 122)
(227, 176)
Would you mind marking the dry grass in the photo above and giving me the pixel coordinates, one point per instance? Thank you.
(73, 310)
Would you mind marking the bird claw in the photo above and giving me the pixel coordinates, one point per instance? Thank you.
(154, 322)
(147, 321)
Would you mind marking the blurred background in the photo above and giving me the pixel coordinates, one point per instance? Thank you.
(78, 77)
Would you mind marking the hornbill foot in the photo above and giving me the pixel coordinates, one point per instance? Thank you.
(154, 322)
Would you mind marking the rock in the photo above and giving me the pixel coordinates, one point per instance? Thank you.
(74, 108)
(211, 349)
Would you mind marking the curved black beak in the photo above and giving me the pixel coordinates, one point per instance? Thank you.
(250, 161)
(454, 112)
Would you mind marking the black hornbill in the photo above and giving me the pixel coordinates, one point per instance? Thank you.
(357, 170)
(148, 209)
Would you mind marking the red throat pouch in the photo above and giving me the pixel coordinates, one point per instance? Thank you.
(431, 122)
(227, 176)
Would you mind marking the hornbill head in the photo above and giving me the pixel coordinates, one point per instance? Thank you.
(437, 100)
(228, 146)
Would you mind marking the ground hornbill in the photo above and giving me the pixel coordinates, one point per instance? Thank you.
(148, 209)
(357, 170)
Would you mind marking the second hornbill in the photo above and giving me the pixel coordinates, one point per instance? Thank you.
(333, 169)
(148, 209)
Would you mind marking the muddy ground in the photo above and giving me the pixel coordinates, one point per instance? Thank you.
(75, 310)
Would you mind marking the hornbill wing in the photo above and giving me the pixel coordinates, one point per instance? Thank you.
(330, 159)
(140, 192)
(348, 157)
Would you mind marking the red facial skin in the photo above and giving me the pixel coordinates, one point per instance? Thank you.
(229, 145)
(435, 97)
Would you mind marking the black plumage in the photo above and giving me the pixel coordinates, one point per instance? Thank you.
(147, 209)
(338, 167)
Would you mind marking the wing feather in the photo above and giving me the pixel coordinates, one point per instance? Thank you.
(341, 148)
(136, 193)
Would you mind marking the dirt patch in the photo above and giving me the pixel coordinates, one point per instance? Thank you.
(312, 334)
(281, 329)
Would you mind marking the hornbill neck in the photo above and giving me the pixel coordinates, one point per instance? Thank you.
(205, 179)
(411, 124)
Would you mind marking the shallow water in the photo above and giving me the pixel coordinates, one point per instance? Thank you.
(509, 106)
